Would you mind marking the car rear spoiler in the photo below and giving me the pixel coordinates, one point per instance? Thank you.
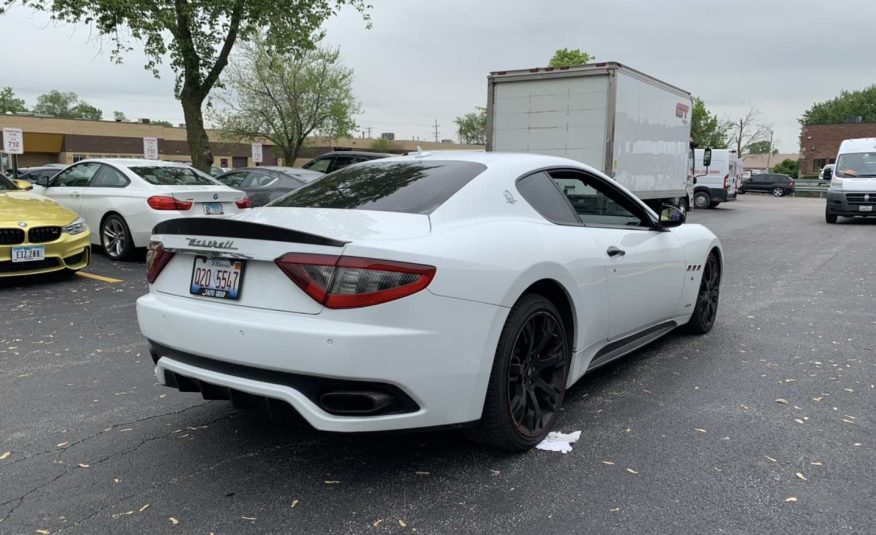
(231, 228)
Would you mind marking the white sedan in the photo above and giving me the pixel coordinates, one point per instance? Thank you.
(123, 199)
(422, 291)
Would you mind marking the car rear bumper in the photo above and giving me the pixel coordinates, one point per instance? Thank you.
(721, 195)
(839, 203)
(434, 361)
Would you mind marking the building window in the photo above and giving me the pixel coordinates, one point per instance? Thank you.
(78, 157)
(833, 160)
(223, 162)
(818, 164)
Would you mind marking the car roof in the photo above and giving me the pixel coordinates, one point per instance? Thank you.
(355, 153)
(135, 162)
(864, 144)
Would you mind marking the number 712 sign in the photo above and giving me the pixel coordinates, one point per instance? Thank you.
(13, 141)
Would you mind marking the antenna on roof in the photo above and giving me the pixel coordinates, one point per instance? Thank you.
(421, 154)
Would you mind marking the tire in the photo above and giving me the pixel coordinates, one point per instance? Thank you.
(703, 318)
(829, 217)
(115, 237)
(740, 191)
(702, 199)
(714, 204)
(518, 411)
(778, 191)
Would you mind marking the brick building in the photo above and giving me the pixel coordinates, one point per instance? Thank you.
(819, 143)
(52, 140)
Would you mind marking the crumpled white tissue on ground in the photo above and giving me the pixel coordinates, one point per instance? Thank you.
(561, 442)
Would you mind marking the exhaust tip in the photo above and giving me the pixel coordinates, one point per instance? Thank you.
(353, 403)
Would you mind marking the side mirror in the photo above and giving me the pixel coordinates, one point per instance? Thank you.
(23, 184)
(672, 216)
(695, 180)
(43, 181)
(707, 157)
(828, 173)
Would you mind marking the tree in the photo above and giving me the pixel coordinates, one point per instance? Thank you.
(762, 147)
(850, 104)
(472, 127)
(197, 36)
(159, 122)
(9, 102)
(66, 106)
(287, 97)
(119, 117)
(788, 167)
(564, 57)
(706, 129)
(381, 145)
(745, 131)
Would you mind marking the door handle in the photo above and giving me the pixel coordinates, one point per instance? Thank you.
(74, 194)
(614, 251)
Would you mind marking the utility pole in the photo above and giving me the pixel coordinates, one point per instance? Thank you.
(436, 130)
(770, 151)
(369, 132)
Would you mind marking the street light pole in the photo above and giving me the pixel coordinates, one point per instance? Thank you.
(770, 151)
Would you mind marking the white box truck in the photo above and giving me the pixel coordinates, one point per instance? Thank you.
(625, 123)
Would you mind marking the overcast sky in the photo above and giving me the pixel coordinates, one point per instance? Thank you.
(428, 60)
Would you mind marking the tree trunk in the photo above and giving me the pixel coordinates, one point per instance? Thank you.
(196, 135)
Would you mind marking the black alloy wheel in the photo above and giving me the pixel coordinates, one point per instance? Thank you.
(528, 381)
(703, 318)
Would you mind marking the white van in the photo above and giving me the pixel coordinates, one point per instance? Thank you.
(852, 190)
(718, 183)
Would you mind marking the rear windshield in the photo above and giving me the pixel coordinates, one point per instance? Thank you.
(416, 187)
(173, 176)
(856, 164)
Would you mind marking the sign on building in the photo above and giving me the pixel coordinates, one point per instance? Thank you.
(13, 141)
(257, 152)
(150, 148)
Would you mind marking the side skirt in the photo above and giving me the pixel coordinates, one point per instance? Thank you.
(619, 348)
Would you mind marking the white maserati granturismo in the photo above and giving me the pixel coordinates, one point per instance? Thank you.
(436, 289)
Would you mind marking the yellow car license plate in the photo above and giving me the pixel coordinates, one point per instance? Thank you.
(30, 253)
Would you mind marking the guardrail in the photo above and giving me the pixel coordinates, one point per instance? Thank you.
(808, 187)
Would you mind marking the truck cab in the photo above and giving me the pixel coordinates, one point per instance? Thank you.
(852, 190)
(716, 182)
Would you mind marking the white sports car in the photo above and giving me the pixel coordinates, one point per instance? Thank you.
(122, 199)
(422, 291)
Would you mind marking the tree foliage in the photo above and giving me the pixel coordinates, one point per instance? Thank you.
(381, 145)
(66, 106)
(159, 122)
(9, 102)
(706, 129)
(564, 57)
(119, 116)
(197, 36)
(788, 167)
(847, 105)
(762, 147)
(472, 127)
(287, 97)
(746, 130)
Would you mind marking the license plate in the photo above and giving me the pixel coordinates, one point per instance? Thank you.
(213, 208)
(28, 253)
(217, 277)
(865, 208)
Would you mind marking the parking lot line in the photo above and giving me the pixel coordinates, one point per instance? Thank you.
(97, 277)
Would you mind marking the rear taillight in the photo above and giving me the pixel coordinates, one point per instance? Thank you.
(156, 258)
(726, 181)
(245, 202)
(352, 282)
(163, 202)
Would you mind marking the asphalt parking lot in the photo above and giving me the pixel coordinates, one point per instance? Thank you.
(762, 426)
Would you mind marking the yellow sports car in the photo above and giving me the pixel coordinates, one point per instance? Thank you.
(38, 235)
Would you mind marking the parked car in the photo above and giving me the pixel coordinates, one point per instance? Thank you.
(32, 174)
(332, 161)
(124, 198)
(538, 269)
(38, 235)
(852, 191)
(774, 183)
(264, 184)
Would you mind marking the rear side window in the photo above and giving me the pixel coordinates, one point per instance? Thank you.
(541, 193)
(417, 187)
(172, 176)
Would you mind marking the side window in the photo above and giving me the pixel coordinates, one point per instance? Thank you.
(339, 162)
(109, 177)
(597, 203)
(233, 179)
(321, 165)
(77, 176)
(541, 193)
(256, 180)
